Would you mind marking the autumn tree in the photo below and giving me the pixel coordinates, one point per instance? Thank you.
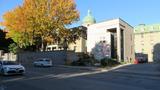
(40, 21)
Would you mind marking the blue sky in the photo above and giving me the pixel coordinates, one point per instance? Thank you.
(132, 11)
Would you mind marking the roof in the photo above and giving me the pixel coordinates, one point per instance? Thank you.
(142, 28)
(108, 20)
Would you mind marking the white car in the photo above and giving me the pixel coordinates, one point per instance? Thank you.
(43, 62)
(10, 68)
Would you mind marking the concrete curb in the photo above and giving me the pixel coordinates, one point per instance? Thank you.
(93, 68)
(78, 67)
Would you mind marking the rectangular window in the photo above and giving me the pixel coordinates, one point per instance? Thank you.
(131, 49)
(152, 43)
(142, 50)
(142, 35)
(142, 41)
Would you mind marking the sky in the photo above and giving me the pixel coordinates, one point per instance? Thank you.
(132, 11)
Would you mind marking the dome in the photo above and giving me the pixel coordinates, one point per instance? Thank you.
(89, 19)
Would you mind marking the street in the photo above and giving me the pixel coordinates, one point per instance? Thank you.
(131, 77)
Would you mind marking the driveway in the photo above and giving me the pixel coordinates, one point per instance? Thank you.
(130, 77)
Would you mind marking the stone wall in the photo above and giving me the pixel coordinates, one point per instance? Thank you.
(58, 57)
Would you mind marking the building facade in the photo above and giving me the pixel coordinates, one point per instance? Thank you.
(117, 33)
(147, 41)
(81, 44)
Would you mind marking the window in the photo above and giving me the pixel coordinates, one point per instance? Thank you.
(131, 49)
(142, 50)
(48, 49)
(142, 29)
(142, 35)
(142, 41)
(9, 63)
(152, 51)
(152, 43)
(75, 48)
(53, 48)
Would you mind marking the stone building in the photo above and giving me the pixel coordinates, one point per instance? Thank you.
(147, 41)
(116, 32)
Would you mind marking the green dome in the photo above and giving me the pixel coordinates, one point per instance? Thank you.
(89, 19)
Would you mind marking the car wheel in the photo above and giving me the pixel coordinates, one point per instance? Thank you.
(22, 74)
(2, 72)
(42, 65)
(35, 65)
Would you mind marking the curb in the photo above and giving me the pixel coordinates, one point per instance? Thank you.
(77, 67)
(93, 68)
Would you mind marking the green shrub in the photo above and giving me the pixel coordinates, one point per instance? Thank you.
(80, 62)
(109, 62)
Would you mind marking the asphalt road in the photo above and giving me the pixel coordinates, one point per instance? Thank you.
(60, 78)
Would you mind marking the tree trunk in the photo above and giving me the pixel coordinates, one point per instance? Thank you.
(42, 44)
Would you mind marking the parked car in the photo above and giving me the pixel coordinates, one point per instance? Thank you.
(44, 62)
(141, 58)
(11, 67)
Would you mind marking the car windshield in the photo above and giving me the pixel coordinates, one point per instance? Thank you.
(43, 59)
(47, 60)
(9, 63)
(39, 60)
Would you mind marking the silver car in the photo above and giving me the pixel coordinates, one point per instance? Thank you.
(45, 62)
(10, 68)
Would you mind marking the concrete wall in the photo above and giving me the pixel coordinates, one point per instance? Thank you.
(58, 57)
(98, 32)
(129, 53)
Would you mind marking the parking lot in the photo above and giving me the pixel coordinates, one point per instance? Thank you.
(37, 73)
(42, 72)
